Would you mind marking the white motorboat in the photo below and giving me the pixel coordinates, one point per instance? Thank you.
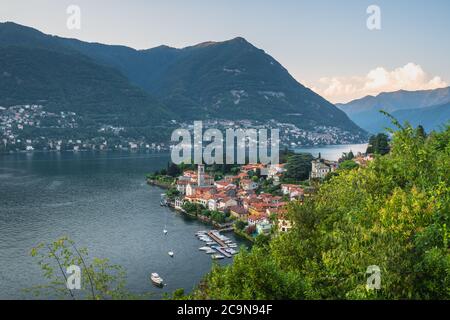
(204, 248)
(171, 254)
(165, 231)
(217, 256)
(157, 280)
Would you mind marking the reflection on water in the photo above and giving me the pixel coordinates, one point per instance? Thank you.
(101, 201)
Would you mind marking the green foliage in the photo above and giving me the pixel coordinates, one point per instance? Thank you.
(240, 225)
(172, 193)
(379, 144)
(394, 213)
(194, 209)
(100, 280)
(298, 167)
(348, 165)
(173, 170)
(347, 156)
(218, 216)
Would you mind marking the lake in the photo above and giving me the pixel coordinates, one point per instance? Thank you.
(101, 201)
(333, 152)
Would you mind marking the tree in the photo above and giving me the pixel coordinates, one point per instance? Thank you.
(348, 165)
(240, 225)
(193, 208)
(347, 156)
(379, 144)
(421, 132)
(173, 170)
(298, 167)
(218, 216)
(172, 193)
(100, 280)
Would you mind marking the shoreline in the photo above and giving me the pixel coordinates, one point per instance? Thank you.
(205, 220)
(157, 151)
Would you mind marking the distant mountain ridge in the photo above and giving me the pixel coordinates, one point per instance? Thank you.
(225, 80)
(407, 105)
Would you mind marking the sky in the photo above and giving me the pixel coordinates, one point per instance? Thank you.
(324, 44)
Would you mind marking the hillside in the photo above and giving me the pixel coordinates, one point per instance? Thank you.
(71, 82)
(230, 79)
(431, 118)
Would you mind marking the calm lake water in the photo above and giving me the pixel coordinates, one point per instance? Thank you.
(101, 201)
(333, 152)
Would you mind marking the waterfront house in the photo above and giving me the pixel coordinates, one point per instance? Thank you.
(179, 202)
(181, 186)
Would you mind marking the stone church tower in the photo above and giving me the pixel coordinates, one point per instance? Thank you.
(201, 175)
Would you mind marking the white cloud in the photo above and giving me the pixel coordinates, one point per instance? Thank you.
(409, 77)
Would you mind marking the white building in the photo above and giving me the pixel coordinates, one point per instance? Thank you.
(320, 168)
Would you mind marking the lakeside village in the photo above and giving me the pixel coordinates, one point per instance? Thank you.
(241, 199)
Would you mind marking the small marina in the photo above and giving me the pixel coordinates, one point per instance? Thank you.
(217, 245)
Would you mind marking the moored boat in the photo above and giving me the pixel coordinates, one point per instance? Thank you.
(157, 280)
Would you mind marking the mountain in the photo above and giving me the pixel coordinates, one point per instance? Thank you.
(213, 80)
(72, 82)
(365, 111)
(39, 68)
(229, 80)
(431, 118)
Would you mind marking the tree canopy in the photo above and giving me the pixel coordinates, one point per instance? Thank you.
(298, 167)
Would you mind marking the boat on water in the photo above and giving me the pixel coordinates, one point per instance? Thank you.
(165, 231)
(157, 280)
(231, 251)
(163, 201)
(210, 251)
(233, 245)
(171, 254)
(217, 257)
(204, 248)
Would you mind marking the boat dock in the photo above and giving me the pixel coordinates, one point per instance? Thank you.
(223, 252)
(216, 239)
(216, 243)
